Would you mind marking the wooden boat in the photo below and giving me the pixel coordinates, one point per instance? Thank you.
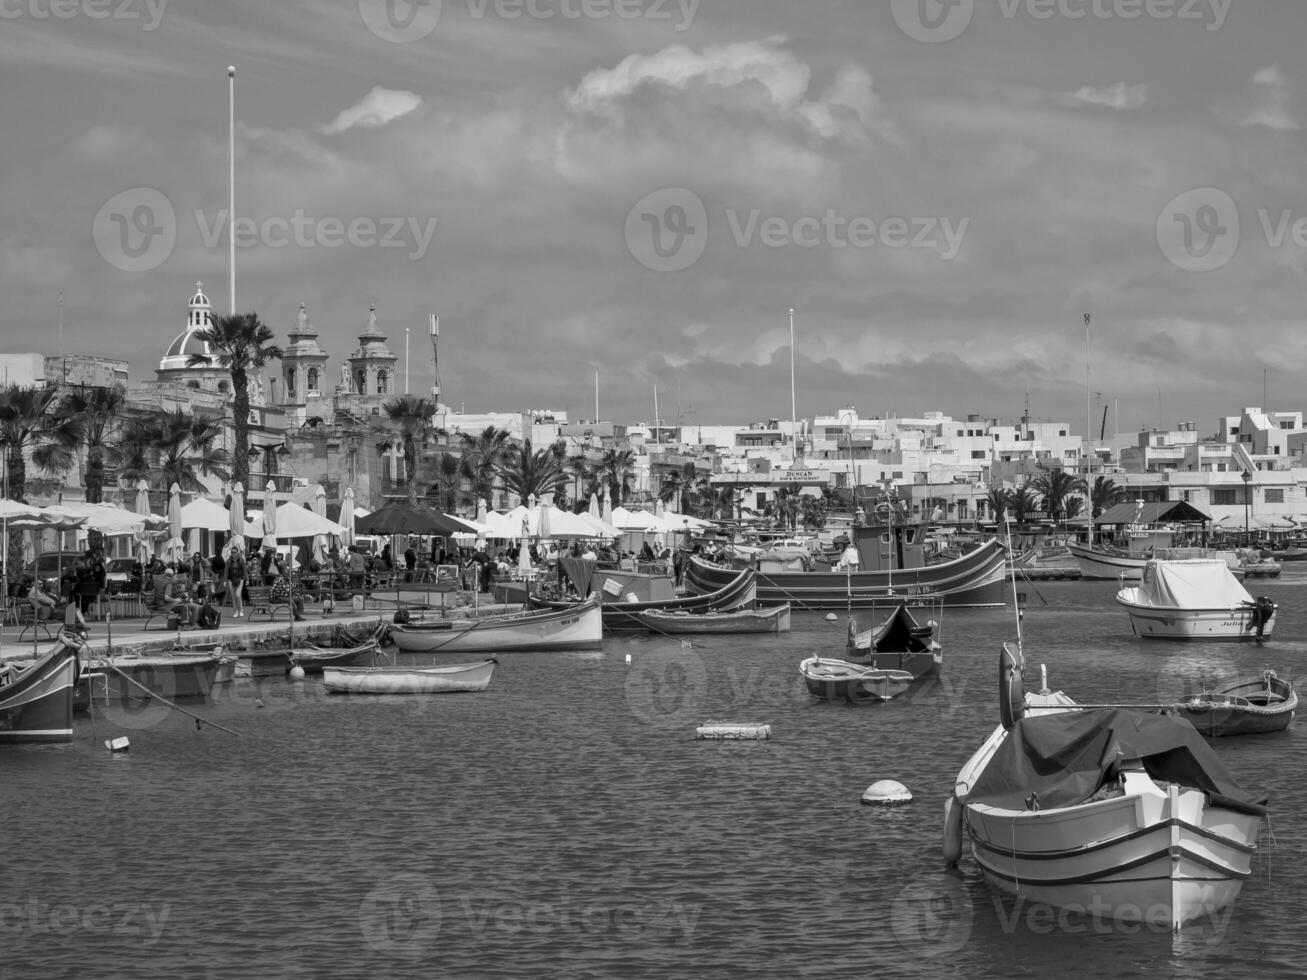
(312, 659)
(900, 642)
(263, 663)
(895, 570)
(838, 680)
(738, 590)
(1112, 812)
(1195, 599)
(36, 696)
(775, 619)
(573, 627)
(409, 680)
(1247, 706)
(135, 678)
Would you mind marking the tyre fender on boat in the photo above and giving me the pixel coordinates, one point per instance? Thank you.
(952, 831)
(1011, 687)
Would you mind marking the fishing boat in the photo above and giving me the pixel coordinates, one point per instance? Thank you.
(117, 678)
(573, 627)
(738, 590)
(1247, 706)
(900, 642)
(774, 619)
(892, 563)
(409, 680)
(313, 659)
(36, 696)
(1112, 812)
(839, 680)
(1195, 599)
(263, 663)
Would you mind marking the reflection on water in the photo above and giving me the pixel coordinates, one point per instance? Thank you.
(567, 821)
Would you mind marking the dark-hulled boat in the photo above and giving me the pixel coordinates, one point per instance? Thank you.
(900, 642)
(738, 590)
(1247, 706)
(124, 677)
(773, 619)
(36, 697)
(313, 659)
(891, 562)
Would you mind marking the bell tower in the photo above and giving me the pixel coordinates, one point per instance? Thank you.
(303, 365)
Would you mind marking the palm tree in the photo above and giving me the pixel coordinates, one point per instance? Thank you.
(444, 473)
(1023, 501)
(997, 501)
(100, 411)
(1054, 486)
(617, 469)
(413, 414)
(526, 471)
(584, 474)
(484, 451)
(33, 425)
(1073, 507)
(172, 447)
(1105, 494)
(239, 343)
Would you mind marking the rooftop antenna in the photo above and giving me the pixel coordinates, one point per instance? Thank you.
(435, 357)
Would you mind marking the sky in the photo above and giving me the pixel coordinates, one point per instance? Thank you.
(940, 190)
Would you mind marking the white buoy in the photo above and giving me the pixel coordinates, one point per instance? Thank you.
(119, 744)
(297, 673)
(628, 658)
(258, 702)
(832, 618)
(886, 792)
(733, 730)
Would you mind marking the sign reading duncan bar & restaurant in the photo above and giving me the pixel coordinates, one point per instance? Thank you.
(807, 477)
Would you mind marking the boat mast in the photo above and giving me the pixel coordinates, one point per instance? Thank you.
(1089, 459)
(794, 426)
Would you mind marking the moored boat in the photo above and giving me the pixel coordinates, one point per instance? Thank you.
(126, 677)
(312, 659)
(1195, 599)
(900, 642)
(774, 619)
(263, 663)
(578, 626)
(1114, 813)
(1253, 705)
(36, 696)
(738, 590)
(839, 680)
(445, 679)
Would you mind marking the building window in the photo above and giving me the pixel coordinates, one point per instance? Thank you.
(1274, 496)
(360, 383)
(290, 383)
(223, 386)
(979, 454)
(313, 379)
(381, 382)
(1224, 495)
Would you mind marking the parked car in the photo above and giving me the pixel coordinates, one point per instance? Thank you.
(119, 575)
(47, 567)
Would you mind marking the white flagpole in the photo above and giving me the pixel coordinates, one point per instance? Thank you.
(231, 184)
(406, 360)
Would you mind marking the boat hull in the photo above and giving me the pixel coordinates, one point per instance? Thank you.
(408, 680)
(737, 590)
(120, 679)
(1173, 623)
(312, 660)
(575, 627)
(264, 663)
(1248, 706)
(773, 620)
(975, 579)
(1148, 857)
(836, 680)
(1097, 564)
(37, 706)
(900, 642)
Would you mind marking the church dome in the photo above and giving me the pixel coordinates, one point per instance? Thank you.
(199, 316)
(187, 344)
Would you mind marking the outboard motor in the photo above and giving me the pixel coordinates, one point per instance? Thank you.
(1262, 611)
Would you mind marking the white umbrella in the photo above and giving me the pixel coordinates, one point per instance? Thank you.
(196, 545)
(270, 515)
(320, 508)
(175, 542)
(346, 519)
(236, 517)
(606, 513)
(291, 520)
(142, 497)
(594, 506)
(205, 515)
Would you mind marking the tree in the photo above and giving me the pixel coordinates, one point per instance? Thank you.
(443, 474)
(997, 501)
(617, 469)
(100, 411)
(164, 448)
(1105, 494)
(679, 486)
(1023, 502)
(483, 452)
(526, 471)
(1074, 506)
(1054, 486)
(413, 415)
(240, 343)
(33, 424)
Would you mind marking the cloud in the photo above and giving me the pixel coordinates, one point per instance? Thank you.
(378, 107)
(1121, 97)
(1273, 95)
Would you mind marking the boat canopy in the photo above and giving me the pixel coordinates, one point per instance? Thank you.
(1153, 512)
(1192, 583)
(1066, 757)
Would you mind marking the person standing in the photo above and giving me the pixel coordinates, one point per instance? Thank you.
(236, 582)
(410, 562)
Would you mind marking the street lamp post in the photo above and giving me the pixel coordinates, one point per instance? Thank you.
(1247, 501)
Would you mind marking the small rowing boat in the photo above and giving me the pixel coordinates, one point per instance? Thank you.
(775, 619)
(409, 680)
(1247, 706)
(839, 680)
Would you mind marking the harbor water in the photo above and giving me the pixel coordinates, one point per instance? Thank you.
(567, 823)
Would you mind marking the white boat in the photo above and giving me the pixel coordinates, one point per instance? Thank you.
(577, 627)
(409, 680)
(1115, 813)
(839, 680)
(1195, 599)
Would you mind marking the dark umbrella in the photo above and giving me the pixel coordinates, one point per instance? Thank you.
(397, 518)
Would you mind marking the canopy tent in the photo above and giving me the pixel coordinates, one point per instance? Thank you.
(397, 518)
(673, 522)
(598, 528)
(635, 520)
(205, 515)
(290, 520)
(522, 522)
(108, 519)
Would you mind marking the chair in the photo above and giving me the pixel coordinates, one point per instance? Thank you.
(28, 616)
(11, 611)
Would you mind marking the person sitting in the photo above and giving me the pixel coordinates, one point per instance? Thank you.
(45, 604)
(179, 606)
(283, 591)
(647, 553)
(207, 616)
